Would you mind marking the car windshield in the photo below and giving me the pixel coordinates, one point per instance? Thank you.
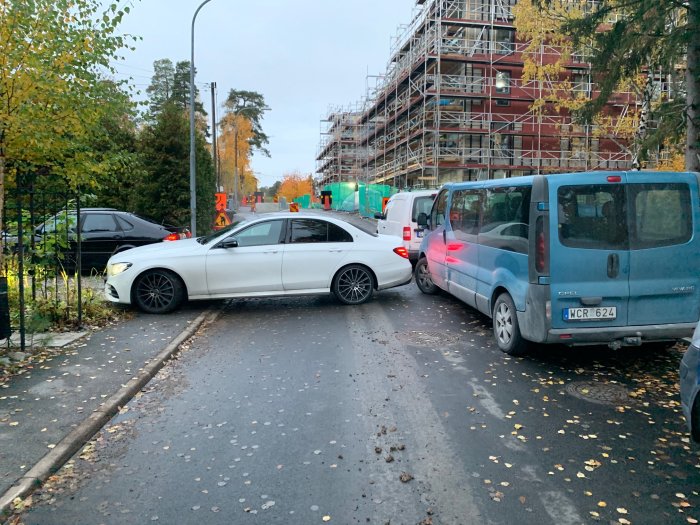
(206, 239)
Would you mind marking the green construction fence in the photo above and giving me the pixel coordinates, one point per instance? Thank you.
(366, 199)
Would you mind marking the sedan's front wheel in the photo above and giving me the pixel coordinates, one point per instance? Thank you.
(158, 292)
(353, 284)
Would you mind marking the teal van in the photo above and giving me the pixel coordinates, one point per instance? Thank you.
(578, 258)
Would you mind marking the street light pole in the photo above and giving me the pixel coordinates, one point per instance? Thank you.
(193, 161)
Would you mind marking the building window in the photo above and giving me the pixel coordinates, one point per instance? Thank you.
(502, 82)
(503, 41)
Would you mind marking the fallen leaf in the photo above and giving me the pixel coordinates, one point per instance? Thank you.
(326, 518)
(602, 504)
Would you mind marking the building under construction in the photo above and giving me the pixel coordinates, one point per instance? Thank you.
(453, 106)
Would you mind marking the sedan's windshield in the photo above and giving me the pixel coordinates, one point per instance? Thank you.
(206, 239)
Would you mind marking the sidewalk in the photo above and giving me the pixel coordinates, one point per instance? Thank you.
(48, 413)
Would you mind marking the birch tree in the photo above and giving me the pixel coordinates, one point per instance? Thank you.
(659, 39)
(54, 57)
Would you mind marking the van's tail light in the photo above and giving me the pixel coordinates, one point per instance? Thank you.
(540, 246)
(406, 233)
(401, 251)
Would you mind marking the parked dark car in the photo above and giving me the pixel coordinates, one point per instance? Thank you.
(690, 385)
(104, 232)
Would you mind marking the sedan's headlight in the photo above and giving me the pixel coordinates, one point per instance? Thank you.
(117, 268)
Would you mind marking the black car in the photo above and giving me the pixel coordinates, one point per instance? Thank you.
(103, 232)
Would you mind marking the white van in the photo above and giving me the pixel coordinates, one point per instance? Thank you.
(399, 218)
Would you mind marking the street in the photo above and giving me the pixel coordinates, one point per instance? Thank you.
(398, 411)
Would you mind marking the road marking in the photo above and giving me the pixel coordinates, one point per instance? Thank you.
(487, 400)
(560, 508)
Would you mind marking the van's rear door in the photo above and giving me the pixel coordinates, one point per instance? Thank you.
(664, 262)
(589, 253)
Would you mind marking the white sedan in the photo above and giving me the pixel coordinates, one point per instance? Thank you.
(272, 254)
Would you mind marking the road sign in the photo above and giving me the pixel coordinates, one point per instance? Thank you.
(220, 201)
(221, 220)
(293, 206)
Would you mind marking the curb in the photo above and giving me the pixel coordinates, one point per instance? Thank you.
(69, 445)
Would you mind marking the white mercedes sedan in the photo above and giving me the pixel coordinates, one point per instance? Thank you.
(272, 254)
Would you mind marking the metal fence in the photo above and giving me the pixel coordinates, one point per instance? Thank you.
(41, 261)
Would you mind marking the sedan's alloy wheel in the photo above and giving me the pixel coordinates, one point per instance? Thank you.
(353, 285)
(158, 292)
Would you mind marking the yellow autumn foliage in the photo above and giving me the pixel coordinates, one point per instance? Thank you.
(295, 185)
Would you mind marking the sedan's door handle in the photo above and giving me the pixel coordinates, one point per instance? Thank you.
(272, 251)
(336, 250)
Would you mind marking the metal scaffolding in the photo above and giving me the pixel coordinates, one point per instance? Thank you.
(452, 105)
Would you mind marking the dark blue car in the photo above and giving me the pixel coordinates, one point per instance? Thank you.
(690, 387)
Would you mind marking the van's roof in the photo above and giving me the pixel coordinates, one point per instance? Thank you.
(527, 179)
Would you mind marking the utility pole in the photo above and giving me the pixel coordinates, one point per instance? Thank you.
(214, 149)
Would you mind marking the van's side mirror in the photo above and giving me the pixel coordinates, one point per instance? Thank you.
(379, 215)
(422, 220)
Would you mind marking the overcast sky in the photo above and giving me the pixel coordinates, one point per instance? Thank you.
(303, 56)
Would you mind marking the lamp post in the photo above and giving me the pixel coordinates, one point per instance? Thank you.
(193, 161)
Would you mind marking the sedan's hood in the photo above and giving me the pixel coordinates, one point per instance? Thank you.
(158, 250)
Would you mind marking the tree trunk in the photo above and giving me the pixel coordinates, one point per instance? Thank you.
(692, 77)
(2, 208)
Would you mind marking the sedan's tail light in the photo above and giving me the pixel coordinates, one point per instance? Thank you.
(401, 251)
(406, 233)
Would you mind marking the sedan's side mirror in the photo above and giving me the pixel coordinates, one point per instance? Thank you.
(228, 243)
(379, 215)
(422, 220)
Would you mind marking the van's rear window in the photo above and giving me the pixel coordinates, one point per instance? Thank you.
(618, 217)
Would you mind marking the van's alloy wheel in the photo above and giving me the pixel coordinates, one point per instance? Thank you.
(158, 292)
(423, 279)
(353, 284)
(505, 327)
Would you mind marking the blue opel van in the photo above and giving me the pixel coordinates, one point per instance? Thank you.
(578, 258)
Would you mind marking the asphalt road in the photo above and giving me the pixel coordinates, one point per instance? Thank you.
(400, 411)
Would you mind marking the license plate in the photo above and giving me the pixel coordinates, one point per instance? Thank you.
(596, 313)
(419, 233)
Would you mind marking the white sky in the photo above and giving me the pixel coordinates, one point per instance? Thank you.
(303, 56)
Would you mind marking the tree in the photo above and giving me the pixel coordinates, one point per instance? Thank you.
(252, 106)
(51, 94)
(115, 145)
(164, 192)
(659, 39)
(234, 153)
(160, 89)
(295, 185)
(271, 191)
(172, 83)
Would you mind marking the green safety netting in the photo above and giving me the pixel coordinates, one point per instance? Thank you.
(358, 197)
